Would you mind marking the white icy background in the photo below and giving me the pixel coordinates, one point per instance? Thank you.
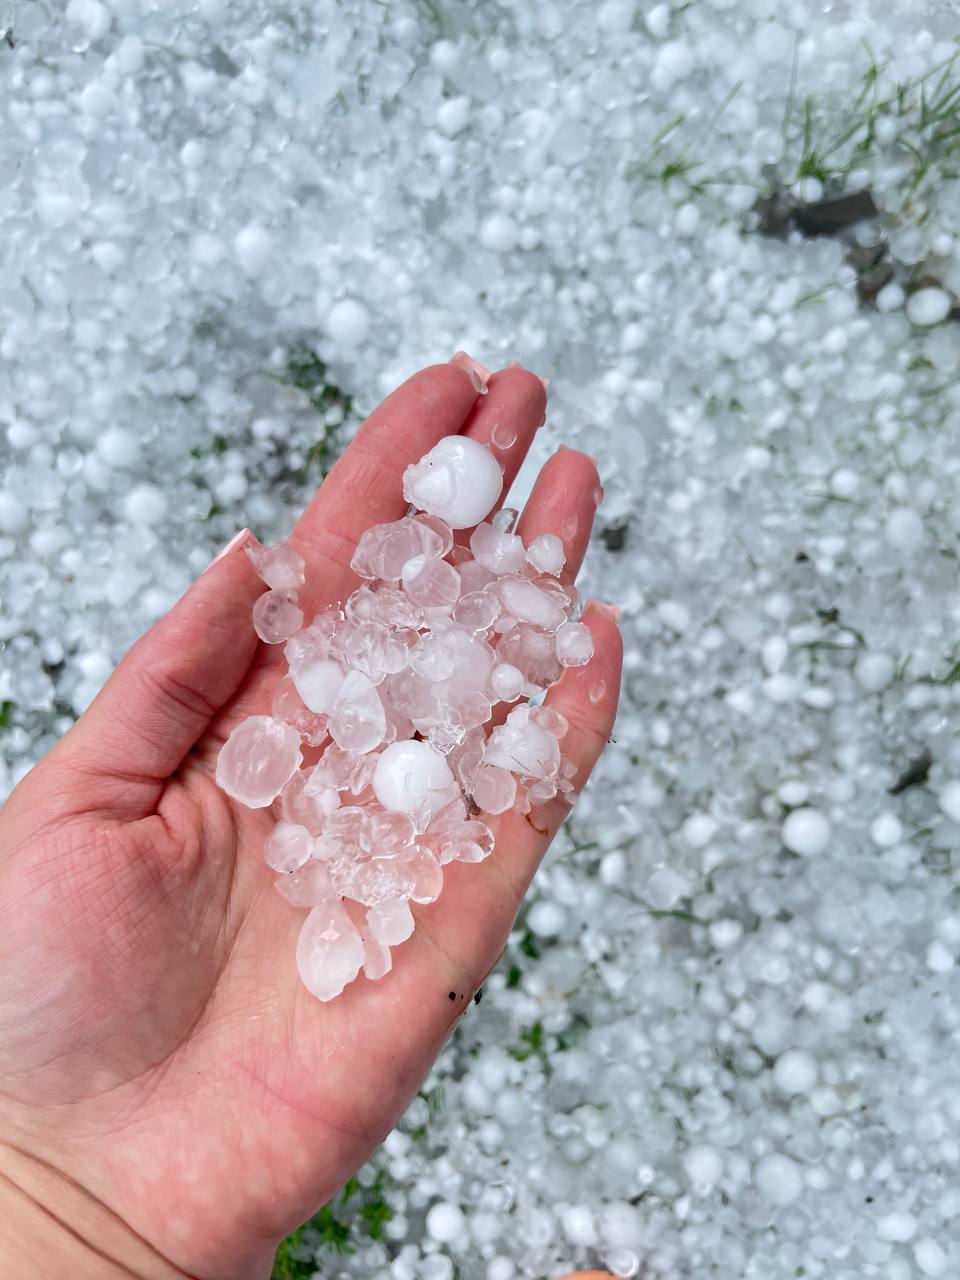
(189, 189)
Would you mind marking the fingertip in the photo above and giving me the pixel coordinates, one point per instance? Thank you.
(448, 388)
(523, 390)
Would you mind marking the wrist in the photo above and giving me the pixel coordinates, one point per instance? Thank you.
(51, 1227)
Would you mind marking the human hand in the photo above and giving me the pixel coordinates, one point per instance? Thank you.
(156, 1045)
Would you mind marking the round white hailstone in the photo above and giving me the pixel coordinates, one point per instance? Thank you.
(874, 671)
(886, 830)
(192, 154)
(348, 323)
(21, 435)
(698, 830)
(578, 1225)
(458, 480)
(703, 1166)
(949, 800)
(795, 1071)
(891, 297)
(436, 1266)
(793, 792)
(778, 1178)
(13, 514)
(252, 245)
(844, 483)
(445, 56)
(725, 933)
(928, 306)
(257, 760)
(145, 504)
(91, 15)
(546, 919)
(616, 16)
(96, 100)
(498, 232)
(506, 681)
(658, 21)
(930, 1258)
(903, 529)
(897, 1228)
(318, 682)
(939, 959)
(806, 831)
(687, 220)
(674, 63)
(452, 115)
(118, 447)
(501, 1268)
(406, 773)
(446, 1223)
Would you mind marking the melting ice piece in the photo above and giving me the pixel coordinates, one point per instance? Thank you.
(287, 705)
(494, 790)
(391, 923)
(277, 616)
(523, 747)
(288, 847)
(430, 582)
(406, 775)
(574, 644)
(506, 682)
(459, 480)
(258, 758)
(385, 548)
(496, 551)
(329, 950)
(546, 553)
(279, 566)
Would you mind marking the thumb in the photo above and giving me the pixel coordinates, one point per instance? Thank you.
(165, 691)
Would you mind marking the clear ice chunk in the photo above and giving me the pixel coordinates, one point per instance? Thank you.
(258, 758)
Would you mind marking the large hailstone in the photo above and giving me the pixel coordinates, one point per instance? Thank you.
(458, 481)
(329, 950)
(406, 775)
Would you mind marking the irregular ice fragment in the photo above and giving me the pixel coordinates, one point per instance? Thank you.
(279, 565)
(459, 480)
(260, 755)
(546, 553)
(357, 718)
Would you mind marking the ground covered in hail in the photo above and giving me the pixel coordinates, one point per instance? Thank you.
(723, 1039)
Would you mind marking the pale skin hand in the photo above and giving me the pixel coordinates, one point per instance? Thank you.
(157, 1049)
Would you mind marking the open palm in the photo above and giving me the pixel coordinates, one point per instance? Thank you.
(156, 1044)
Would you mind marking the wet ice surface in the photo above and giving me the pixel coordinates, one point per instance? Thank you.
(424, 747)
(565, 187)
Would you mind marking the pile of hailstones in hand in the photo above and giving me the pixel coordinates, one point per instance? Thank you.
(403, 679)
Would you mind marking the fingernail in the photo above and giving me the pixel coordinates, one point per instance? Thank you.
(480, 375)
(234, 544)
(546, 383)
(592, 459)
(601, 610)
